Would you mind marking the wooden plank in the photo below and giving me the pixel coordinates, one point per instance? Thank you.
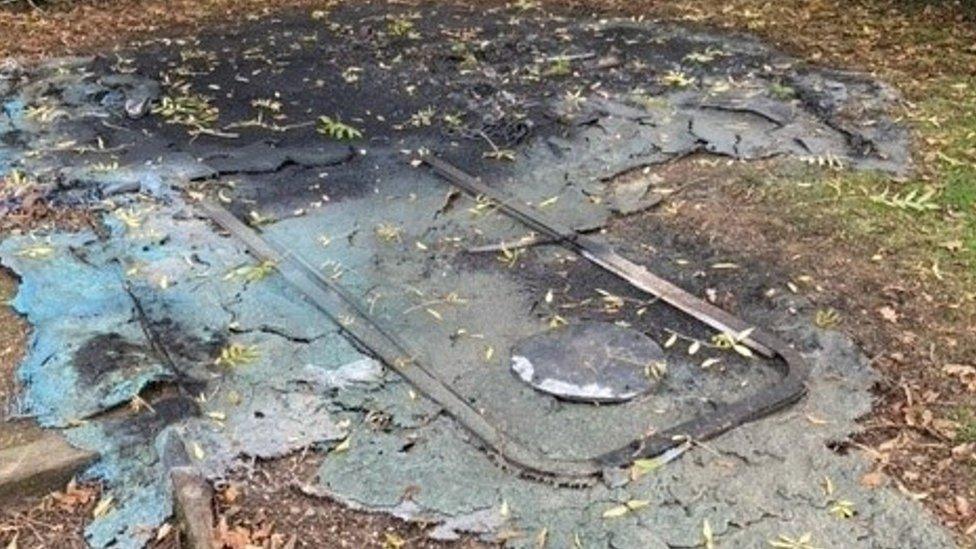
(193, 504)
(43, 465)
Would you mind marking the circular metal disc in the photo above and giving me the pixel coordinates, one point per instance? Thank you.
(588, 362)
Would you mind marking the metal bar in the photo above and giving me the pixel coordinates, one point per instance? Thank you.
(795, 370)
(333, 300)
(604, 256)
(339, 305)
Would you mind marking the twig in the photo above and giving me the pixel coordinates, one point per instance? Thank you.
(524, 242)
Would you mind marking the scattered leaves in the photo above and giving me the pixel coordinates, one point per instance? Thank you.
(500, 154)
(185, 108)
(805, 541)
(677, 79)
(826, 318)
(842, 509)
(236, 355)
(252, 273)
(913, 200)
(625, 508)
(388, 232)
(36, 251)
(336, 129)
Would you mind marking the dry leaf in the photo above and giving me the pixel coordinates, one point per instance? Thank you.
(614, 512)
(889, 314)
(393, 541)
(103, 507)
(708, 538)
(542, 538)
(636, 504)
(164, 531)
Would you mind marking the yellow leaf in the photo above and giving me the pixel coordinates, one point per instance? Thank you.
(708, 538)
(164, 531)
(103, 507)
(636, 504)
(742, 349)
(816, 420)
(615, 512)
(641, 467)
(36, 252)
(548, 202)
(393, 541)
(542, 538)
(709, 362)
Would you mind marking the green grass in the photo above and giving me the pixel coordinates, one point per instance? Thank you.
(870, 210)
(960, 190)
(967, 425)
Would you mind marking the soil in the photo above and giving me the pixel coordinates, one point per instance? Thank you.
(901, 324)
(13, 335)
(266, 502)
(56, 520)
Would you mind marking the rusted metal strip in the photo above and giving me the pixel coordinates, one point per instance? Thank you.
(603, 255)
(370, 334)
(347, 311)
(790, 388)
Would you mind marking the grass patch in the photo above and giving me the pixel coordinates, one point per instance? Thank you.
(926, 226)
(967, 425)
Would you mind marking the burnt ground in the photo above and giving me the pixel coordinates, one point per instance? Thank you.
(305, 106)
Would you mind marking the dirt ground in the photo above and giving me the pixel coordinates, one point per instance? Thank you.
(12, 337)
(900, 283)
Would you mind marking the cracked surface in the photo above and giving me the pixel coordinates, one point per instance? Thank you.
(157, 301)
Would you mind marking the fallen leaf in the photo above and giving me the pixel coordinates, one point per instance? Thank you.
(708, 538)
(103, 507)
(164, 531)
(614, 512)
(709, 362)
(197, 451)
(393, 541)
(889, 314)
(542, 538)
(636, 504)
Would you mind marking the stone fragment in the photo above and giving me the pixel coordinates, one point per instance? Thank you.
(39, 467)
(632, 196)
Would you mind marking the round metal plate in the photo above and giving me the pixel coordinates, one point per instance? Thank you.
(588, 362)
